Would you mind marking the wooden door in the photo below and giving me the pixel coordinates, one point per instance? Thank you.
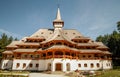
(58, 66)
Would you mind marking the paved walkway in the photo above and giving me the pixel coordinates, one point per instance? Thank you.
(45, 75)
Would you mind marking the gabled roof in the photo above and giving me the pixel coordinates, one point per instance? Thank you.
(7, 52)
(29, 43)
(58, 35)
(13, 44)
(100, 45)
(87, 44)
(25, 50)
(90, 51)
(61, 47)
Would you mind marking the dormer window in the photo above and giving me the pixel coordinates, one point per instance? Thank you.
(73, 33)
(58, 35)
(36, 35)
(50, 33)
(42, 32)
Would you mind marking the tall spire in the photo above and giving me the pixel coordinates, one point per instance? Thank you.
(58, 17)
(58, 22)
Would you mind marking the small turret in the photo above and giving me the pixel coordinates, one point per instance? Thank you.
(58, 22)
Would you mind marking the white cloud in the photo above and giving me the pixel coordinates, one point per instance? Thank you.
(10, 34)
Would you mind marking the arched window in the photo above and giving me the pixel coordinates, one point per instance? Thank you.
(24, 65)
(73, 33)
(49, 53)
(5, 64)
(25, 56)
(49, 66)
(37, 56)
(58, 53)
(89, 56)
(84, 56)
(68, 66)
(17, 65)
(37, 65)
(67, 53)
(65, 44)
(30, 65)
(58, 43)
(85, 65)
(51, 44)
(107, 64)
(98, 65)
(31, 56)
(91, 65)
(79, 65)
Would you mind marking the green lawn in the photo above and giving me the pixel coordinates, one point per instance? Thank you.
(13, 74)
(109, 73)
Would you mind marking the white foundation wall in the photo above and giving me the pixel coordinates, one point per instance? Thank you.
(6, 64)
(43, 64)
(27, 67)
(74, 64)
(89, 62)
(107, 64)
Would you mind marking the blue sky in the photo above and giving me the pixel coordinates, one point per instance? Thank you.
(92, 18)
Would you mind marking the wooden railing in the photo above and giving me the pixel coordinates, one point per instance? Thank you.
(64, 56)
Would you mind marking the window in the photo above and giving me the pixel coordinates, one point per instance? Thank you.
(83, 56)
(49, 53)
(65, 33)
(59, 43)
(5, 64)
(50, 33)
(107, 64)
(24, 65)
(25, 56)
(37, 65)
(85, 65)
(27, 47)
(42, 32)
(91, 65)
(51, 43)
(79, 65)
(37, 56)
(31, 56)
(89, 56)
(58, 35)
(18, 64)
(73, 33)
(98, 65)
(30, 65)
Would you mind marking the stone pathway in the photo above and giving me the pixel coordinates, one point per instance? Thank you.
(45, 75)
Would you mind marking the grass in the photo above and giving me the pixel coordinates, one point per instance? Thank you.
(13, 74)
(107, 73)
(110, 73)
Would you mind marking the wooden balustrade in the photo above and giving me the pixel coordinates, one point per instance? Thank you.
(62, 56)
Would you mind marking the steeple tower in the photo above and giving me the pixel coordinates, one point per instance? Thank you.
(58, 22)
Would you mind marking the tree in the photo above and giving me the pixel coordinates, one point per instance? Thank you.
(118, 26)
(4, 41)
(113, 42)
(16, 39)
(103, 39)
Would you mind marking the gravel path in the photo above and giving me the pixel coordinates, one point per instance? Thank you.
(45, 75)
